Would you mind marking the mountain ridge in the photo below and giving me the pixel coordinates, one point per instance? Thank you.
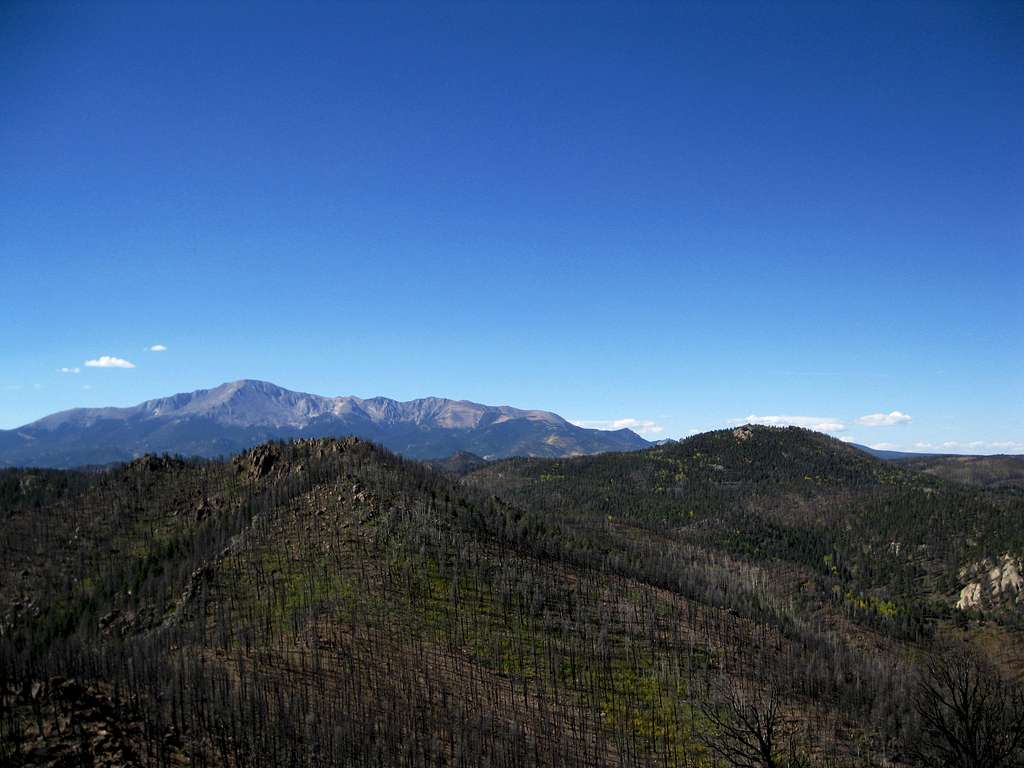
(222, 398)
(236, 415)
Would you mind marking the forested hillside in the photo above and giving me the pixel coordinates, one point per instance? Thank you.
(755, 597)
(882, 542)
(998, 472)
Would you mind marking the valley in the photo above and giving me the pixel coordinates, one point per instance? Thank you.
(328, 602)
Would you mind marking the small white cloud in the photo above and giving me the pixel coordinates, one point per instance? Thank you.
(884, 446)
(937, 446)
(643, 426)
(87, 386)
(884, 419)
(640, 426)
(819, 423)
(69, 370)
(106, 361)
(157, 348)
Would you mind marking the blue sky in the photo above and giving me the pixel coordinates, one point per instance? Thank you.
(675, 216)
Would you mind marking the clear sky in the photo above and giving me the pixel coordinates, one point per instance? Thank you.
(683, 215)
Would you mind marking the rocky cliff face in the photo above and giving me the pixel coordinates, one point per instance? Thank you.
(992, 583)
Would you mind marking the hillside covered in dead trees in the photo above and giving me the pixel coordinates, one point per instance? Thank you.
(750, 597)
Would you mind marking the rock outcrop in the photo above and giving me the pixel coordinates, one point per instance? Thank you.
(68, 722)
(743, 433)
(992, 584)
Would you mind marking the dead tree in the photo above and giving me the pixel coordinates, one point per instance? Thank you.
(970, 716)
(747, 724)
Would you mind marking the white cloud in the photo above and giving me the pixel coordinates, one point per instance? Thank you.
(884, 446)
(1009, 445)
(640, 426)
(884, 419)
(69, 370)
(819, 423)
(957, 446)
(156, 348)
(106, 361)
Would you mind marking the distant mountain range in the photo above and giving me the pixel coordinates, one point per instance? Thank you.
(237, 415)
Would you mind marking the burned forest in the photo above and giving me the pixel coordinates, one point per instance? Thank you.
(756, 597)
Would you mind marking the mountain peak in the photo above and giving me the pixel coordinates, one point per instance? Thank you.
(241, 413)
(254, 385)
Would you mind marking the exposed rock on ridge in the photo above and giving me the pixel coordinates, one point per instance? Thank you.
(991, 583)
